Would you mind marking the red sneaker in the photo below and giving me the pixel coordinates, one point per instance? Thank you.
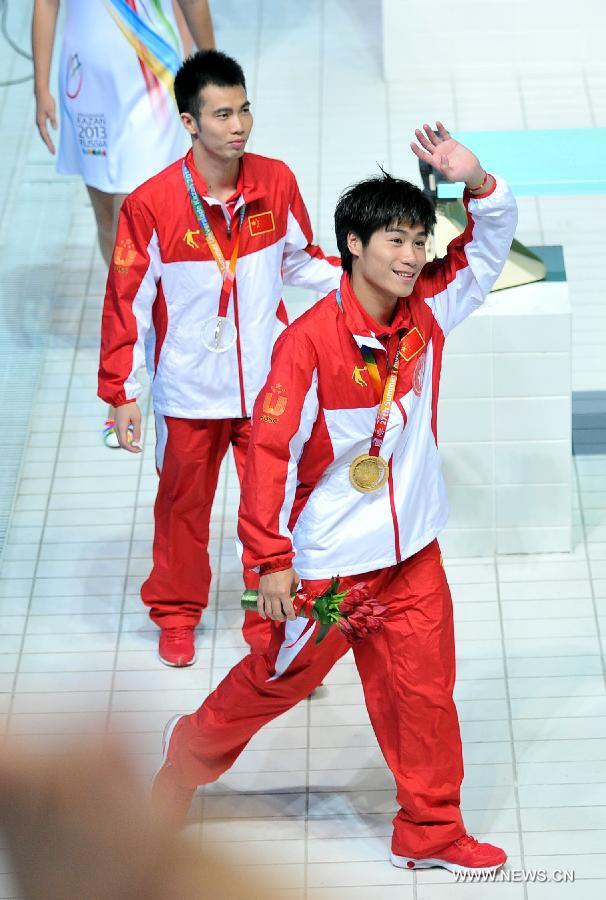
(463, 855)
(169, 797)
(177, 646)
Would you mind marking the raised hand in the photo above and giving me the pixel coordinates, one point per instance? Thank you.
(448, 156)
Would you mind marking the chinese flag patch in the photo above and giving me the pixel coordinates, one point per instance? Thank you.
(261, 223)
(412, 343)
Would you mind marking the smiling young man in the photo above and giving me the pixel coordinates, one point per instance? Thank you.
(195, 287)
(343, 478)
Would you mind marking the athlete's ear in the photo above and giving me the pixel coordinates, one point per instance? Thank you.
(189, 123)
(354, 244)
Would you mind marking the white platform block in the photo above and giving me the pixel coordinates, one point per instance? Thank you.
(446, 37)
(504, 424)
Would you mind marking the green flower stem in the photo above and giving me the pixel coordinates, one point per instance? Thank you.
(249, 600)
(325, 608)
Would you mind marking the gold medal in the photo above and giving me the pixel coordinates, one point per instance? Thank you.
(368, 473)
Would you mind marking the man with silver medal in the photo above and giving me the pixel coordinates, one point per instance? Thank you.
(202, 253)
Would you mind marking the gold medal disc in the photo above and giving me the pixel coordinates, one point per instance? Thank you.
(368, 473)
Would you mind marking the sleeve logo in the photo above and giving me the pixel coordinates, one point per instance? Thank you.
(261, 223)
(124, 255)
(274, 404)
(417, 378)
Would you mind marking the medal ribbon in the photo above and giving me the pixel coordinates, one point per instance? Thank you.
(385, 404)
(388, 392)
(373, 370)
(228, 272)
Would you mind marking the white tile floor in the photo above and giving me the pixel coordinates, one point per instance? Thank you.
(76, 647)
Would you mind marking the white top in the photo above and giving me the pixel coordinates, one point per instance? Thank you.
(119, 119)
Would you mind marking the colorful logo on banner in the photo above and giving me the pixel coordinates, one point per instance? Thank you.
(92, 133)
(73, 84)
(152, 36)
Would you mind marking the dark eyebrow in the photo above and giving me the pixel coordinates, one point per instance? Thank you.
(405, 231)
(228, 109)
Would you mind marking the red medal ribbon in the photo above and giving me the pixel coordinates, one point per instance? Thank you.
(228, 272)
(411, 344)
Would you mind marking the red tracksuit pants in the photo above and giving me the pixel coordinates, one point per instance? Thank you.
(189, 456)
(407, 673)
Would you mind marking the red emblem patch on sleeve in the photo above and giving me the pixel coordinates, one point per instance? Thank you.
(417, 378)
(124, 255)
(274, 404)
(261, 223)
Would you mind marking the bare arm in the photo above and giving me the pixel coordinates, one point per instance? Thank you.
(44, 25)
(197, 16)
(186, 39)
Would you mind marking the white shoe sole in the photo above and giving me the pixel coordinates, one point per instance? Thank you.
(165, 662)
(166, 736)
(111, 441)
(410, 863)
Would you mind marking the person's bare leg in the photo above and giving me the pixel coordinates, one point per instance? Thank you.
(117, 201)
(184, 33)
(103, 208)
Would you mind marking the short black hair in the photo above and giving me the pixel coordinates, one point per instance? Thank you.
(376, 203)
(201, 69)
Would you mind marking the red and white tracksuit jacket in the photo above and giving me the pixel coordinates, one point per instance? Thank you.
(164, 283)
(317, 412)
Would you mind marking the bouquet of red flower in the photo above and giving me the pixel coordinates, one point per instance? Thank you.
(354, 611)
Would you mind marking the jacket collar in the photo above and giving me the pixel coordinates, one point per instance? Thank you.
(366, 332)
(247, 187)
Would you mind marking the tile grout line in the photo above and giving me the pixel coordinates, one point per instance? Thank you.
(321, 94)
(55, 464)
(596, 616)
(112, 685)
(587, 88)
(223, 477)
(514, 762)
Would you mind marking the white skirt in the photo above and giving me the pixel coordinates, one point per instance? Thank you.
(119, 120)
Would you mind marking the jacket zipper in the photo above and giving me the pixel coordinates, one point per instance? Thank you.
(390, 482)
(228, 221)
(239, 351)
(394, 515)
